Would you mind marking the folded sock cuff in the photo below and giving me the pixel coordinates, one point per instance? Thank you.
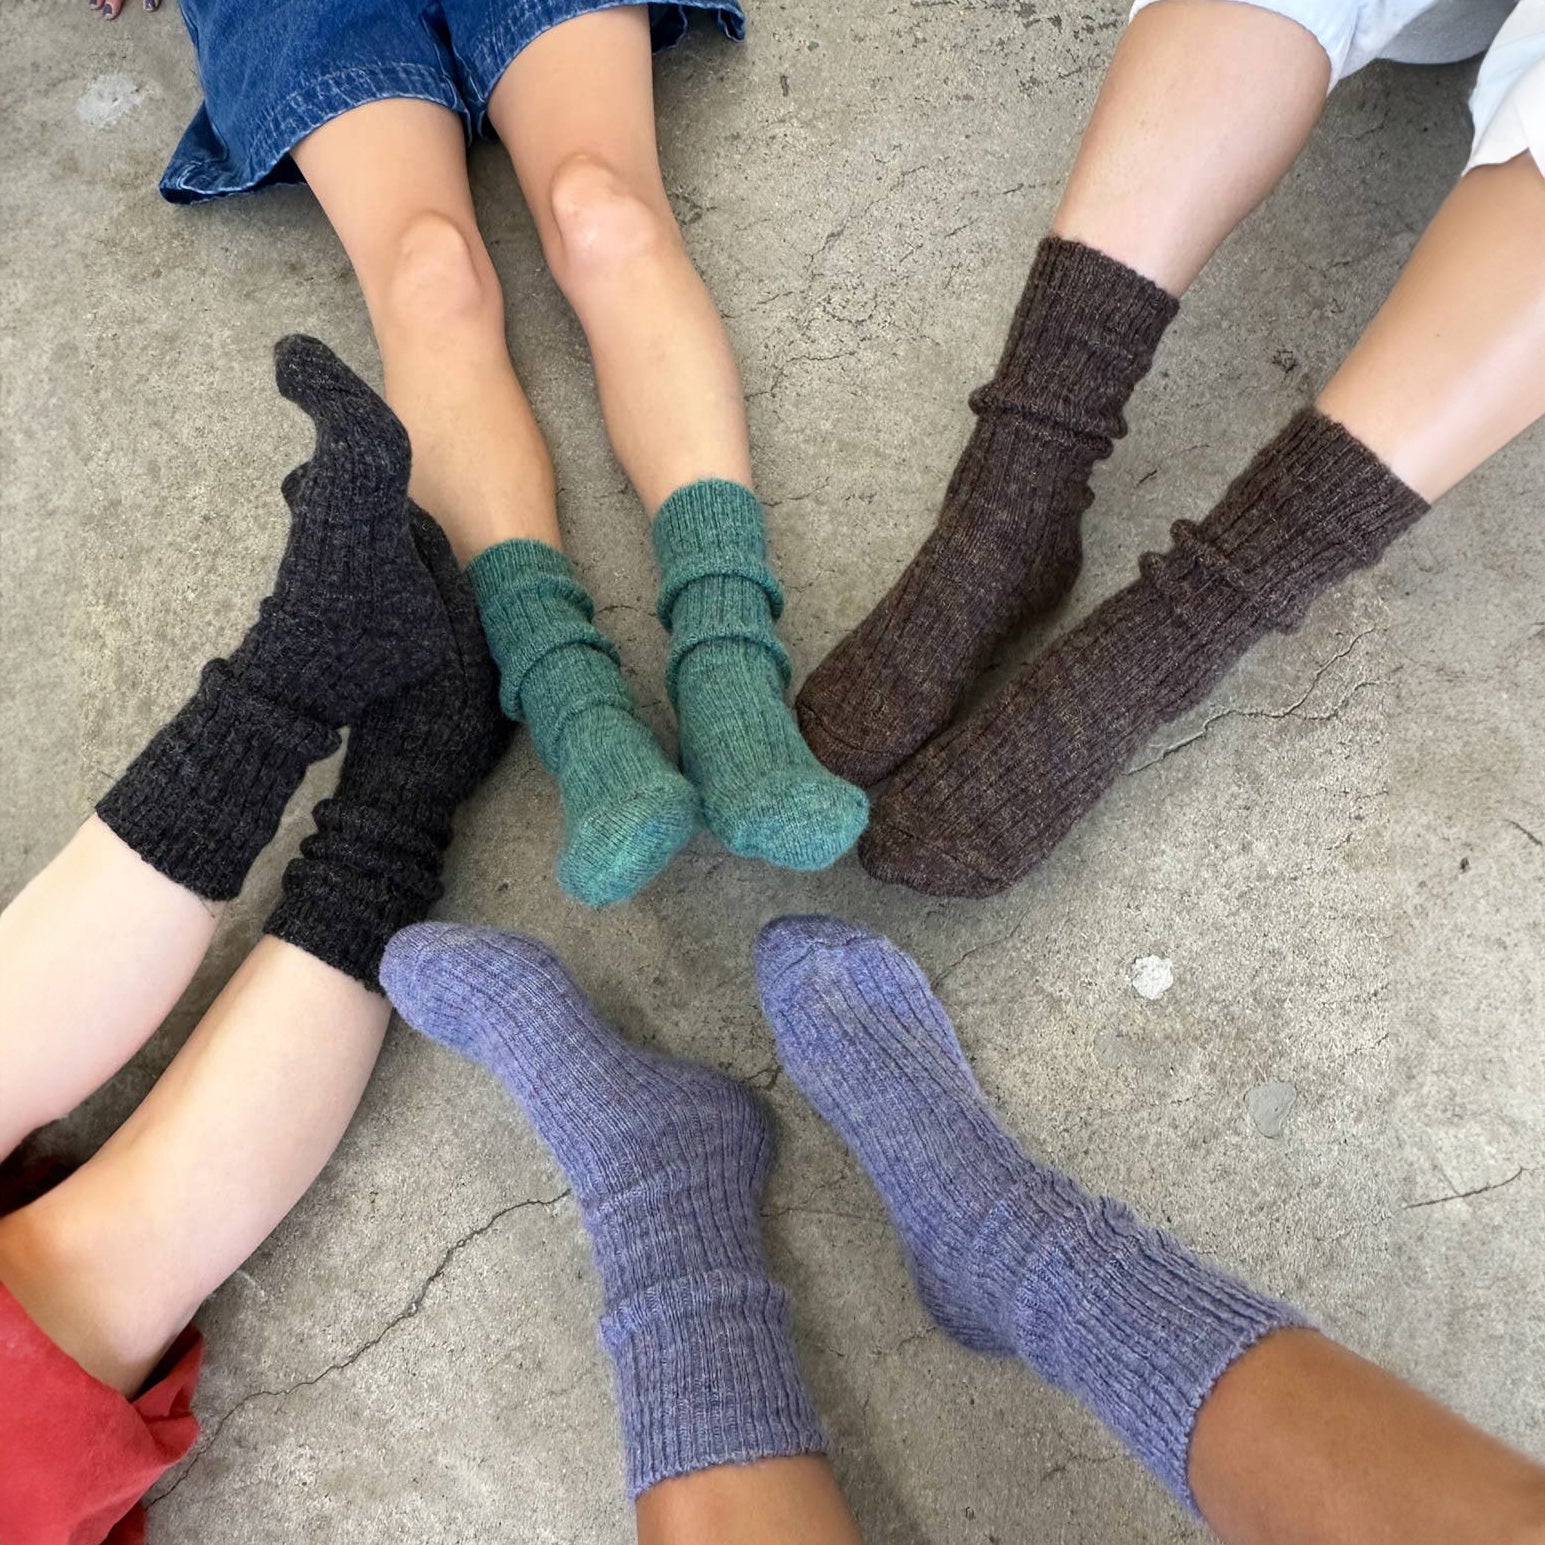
(363, 875)
(1313, 506)
(534, 608)
(712, 527)
(205, 796)
(1084, 335)
(1138, 1328)
(721, 608)
(707, 1375)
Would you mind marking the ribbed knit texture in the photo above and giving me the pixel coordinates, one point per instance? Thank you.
(353, 616)
(1007, 544)
(979, 807)
(373, 864)
(1010, 1256)
(667, 1161)
(764, 794)
(626, 810)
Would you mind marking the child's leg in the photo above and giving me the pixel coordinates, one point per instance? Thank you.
(576, 109)
(772, 1502)
(1206, 104)
(65, 1031)
(136, 894)
(667, 1160)
(1452, 368)
(1297, 1442)
(392, 178)
(113, 1262)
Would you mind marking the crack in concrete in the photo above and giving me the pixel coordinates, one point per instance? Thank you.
(1290, 712)
(801, 1210)
(1518, 826)
(1459, 1196)
(449, 1254)
(976, 949)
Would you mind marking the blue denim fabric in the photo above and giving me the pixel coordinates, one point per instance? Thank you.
(275, 71)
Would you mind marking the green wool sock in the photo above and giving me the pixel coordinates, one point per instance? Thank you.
(626, 810)
(764, 794)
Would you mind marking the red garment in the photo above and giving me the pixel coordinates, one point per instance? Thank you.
(75, 1455)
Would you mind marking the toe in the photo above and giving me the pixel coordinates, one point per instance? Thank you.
(890, 852)
(786, 943)
(617, 848)
(794, 820)
(845, 753)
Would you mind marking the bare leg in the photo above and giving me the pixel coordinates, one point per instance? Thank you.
(114, 1262)
(1453, 366)
(392, 178)
(1205, 106)
(775, 1502)
(1302, 1443)
(65, 1031)
(576, 110)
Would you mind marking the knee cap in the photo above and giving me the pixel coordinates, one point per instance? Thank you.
(602, 222)
(439, 274)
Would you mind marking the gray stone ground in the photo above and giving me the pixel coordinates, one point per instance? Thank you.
(1341, 855)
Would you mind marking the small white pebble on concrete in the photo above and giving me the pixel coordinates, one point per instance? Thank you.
(1153, 976)
(1270, 1104)
(108, 98)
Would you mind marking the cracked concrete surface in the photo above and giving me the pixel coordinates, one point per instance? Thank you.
(1340, 853)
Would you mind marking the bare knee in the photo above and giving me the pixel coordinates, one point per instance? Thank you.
(439, 277)
(603, 224)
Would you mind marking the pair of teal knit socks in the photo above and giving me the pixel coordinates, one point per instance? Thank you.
(748, 773)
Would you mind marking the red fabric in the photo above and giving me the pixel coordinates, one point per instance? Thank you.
(75, 1455)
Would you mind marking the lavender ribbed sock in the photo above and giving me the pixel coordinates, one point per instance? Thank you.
(1010, 1256)
(667, 1160)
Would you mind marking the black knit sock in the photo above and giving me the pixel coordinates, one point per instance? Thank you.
(353, 616)
(373, 864)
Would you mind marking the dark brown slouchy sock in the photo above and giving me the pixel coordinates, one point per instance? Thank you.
(977, 809)
(1007, 543)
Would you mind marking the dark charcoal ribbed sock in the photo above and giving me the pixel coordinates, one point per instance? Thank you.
(1009, 1256)
(373, 864)
(1007, 543)
(977, 809)
(668, 1161)
(353, 616)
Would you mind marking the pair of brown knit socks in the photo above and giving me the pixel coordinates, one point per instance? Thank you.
(977, 807)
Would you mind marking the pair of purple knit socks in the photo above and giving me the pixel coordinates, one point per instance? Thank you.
(668, 1160)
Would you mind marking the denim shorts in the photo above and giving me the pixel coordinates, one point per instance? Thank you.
(1508, 103)
(274, 70)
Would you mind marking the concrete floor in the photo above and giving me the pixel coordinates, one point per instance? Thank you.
(1341, 855)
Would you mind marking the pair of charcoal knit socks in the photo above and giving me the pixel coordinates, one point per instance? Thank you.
(626, 810)
(668, 1160)
(370, 625)
(976, 808)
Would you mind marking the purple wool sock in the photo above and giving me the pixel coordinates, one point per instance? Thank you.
(1010, 1256)
(667, 1160)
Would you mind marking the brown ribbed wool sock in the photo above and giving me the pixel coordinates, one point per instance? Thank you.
(977, 809)
(1007, 543)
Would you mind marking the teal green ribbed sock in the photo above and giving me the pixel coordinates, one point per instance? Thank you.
(764, 794)
(626, 810)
